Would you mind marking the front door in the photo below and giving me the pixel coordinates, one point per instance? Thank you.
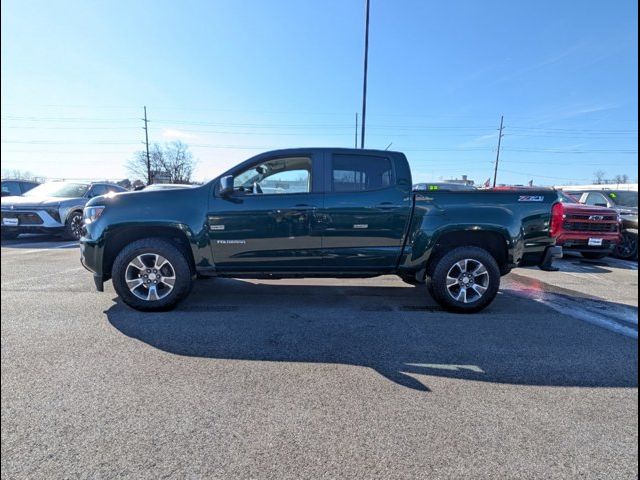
(270, 222)
(365, 214)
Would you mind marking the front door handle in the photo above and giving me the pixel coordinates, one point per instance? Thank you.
(301, 207)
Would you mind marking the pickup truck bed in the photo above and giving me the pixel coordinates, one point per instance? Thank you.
(311, 213)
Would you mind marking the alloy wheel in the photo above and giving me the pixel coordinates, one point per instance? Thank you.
(150, 277)
(467, 280)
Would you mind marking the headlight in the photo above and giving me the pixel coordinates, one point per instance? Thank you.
(54, 213)
(91, 214)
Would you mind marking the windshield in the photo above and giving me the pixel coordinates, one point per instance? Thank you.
(624, 199)
(59, 189)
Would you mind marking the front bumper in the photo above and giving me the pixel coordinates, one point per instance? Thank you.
(583, 246)
(91, 259)
(30, 220)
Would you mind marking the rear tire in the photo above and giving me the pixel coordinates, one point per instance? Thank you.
(465, 280)
(151, 275)
(594, 255)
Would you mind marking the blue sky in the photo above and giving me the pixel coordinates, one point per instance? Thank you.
(233, 78)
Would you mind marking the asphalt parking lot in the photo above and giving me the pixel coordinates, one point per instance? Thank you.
(317, 378)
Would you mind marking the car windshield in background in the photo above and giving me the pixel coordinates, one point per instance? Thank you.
(566, 198)
(624, 198)
(59, 189)
(166, 186)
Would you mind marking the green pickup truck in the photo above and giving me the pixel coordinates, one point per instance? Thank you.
(317, 212)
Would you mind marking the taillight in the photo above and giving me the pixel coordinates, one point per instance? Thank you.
(557, 219)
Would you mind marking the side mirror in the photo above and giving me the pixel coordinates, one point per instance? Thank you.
(226, 186)
(601, 205)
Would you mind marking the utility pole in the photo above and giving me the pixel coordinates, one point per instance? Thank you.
(495, 173)
(356, 143)
(366, 64)
(146, 138)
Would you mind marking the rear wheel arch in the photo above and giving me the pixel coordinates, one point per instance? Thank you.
(493, 242)
(118, 238)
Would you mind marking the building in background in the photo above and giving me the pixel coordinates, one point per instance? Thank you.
(462, 181)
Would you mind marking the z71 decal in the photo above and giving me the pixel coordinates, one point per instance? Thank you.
(531, 198)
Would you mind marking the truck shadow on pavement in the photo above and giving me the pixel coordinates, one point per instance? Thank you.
(398, 332)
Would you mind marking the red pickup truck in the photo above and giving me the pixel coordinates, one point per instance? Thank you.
(592, 231)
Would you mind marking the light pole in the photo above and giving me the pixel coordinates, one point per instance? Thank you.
(364, 83)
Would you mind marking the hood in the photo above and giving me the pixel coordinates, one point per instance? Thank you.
(21, 202)
(627, 210)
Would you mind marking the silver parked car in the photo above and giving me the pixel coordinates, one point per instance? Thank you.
(54, 207)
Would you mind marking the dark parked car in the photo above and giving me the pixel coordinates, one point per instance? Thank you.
(317, 213)
(626, 204)
(53, 207)
(15, 187)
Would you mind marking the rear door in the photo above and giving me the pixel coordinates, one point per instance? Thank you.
(365, 213)
(270, 222)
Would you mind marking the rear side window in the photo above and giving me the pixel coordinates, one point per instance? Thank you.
(359, 173)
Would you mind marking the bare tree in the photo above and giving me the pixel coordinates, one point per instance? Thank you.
(599, 177)
(137, 166)
(178, 162)
(20, 175)
(624, 178)
(174, 160)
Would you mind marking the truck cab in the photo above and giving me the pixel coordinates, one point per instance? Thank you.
(311, 211)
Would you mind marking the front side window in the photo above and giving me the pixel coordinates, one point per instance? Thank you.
(358, 173)
(624, 199)
(98, 190)
(276, 177)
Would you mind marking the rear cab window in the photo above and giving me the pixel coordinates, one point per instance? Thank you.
(360, 173)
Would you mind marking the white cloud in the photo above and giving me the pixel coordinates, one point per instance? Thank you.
(174, 134)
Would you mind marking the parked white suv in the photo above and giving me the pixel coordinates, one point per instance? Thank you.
(54, 207)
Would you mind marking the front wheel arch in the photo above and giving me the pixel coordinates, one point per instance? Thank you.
(118, 238)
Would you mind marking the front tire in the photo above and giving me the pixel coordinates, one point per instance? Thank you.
(465, 280)
(73, 226)
(151, 275)
(627, 249)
